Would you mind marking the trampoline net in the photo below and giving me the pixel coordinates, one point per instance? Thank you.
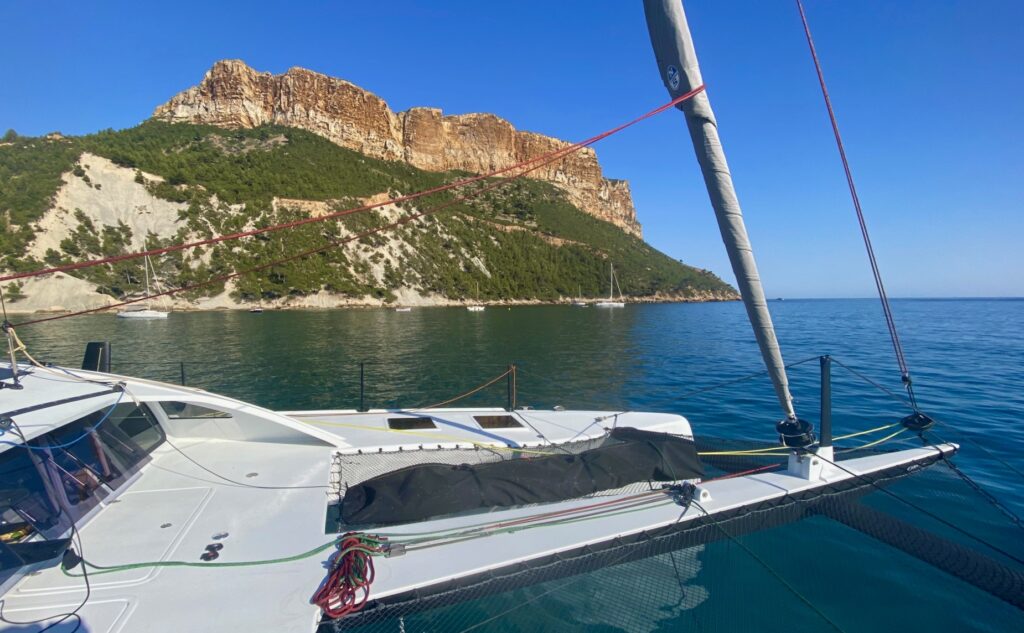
(798, 564)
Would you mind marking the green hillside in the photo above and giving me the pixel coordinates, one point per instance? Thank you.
(533, 243)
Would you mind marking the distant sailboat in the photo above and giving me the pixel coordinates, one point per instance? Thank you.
(144, 312)
(613, 283)
(579, 302)
(476, 307)
(258, 308)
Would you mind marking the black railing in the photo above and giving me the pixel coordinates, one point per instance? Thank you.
(169, 371)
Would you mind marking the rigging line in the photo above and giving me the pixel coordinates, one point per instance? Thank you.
(242, 484)
(889, 392)
(890, 322)
(541, 160)
(48, 447)
(110, 569)
(627, 552)
(991, 498)
(925, 511)
(963, 435)
(351, 238)
(996, 503)
(968, 438)
(463, 395)
(238, 483)
(768, 568)
(61, 618)
(734, 381)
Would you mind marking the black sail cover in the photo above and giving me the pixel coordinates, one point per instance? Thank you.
(424, 491)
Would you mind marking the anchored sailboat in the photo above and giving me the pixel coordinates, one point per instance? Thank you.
(145, 311)
(476, 307)
(579, 302)
(613, 283)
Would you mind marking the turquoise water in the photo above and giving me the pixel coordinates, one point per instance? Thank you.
(967, 357)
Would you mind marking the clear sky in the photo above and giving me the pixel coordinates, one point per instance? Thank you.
(929, 94)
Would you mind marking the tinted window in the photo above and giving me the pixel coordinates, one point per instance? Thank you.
(99, 449)
(136, 425)
(72, 468)
(25, 502)
(188, 411)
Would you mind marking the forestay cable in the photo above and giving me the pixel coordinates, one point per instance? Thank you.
(890, 322)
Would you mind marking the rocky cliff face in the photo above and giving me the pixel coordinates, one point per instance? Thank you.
(233, 95)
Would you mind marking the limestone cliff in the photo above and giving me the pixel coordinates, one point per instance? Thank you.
(233, 95)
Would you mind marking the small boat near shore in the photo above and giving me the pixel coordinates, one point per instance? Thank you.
(613, 283)
(145, 311)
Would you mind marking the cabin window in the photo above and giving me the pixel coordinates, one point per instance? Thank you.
(133, 431)
(26, 507)
(189, 411)
(497, 422)
(71, 468)
(410, 424)
(25, 503)
(99, 449)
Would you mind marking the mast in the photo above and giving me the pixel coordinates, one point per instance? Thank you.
(611, 281)
(145, 268)
(677, 64)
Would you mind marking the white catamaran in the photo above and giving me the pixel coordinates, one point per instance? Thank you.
(133, 505)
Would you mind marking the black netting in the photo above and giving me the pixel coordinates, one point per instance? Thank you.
(797, 563)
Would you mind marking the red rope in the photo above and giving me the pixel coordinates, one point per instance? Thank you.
(743, 473)
(548, 158)
(542, 160)
(347, 587)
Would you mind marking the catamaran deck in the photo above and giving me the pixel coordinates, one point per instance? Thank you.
(260, 484)
(173, 507)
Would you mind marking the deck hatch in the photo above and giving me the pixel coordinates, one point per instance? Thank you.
(410, 424)
(497, 422)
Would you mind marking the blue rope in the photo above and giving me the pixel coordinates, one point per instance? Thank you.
(74, 441)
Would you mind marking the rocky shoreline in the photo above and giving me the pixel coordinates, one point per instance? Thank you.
(60, 293)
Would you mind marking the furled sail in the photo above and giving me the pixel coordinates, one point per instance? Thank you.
(677, 63)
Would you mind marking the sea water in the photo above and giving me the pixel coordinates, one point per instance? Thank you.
(966, 357)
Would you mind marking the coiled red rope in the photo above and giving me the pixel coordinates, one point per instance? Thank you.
(347, 587)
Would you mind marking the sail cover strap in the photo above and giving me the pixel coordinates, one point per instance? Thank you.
(423, 491)
(677, 63)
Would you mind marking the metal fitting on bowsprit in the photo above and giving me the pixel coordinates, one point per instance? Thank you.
(917, 421)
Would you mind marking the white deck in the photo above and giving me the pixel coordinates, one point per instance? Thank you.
(172, 509)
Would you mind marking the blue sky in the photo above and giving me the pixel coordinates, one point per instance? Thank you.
(929, 94)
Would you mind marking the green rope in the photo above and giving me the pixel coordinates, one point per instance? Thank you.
(104, 569)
